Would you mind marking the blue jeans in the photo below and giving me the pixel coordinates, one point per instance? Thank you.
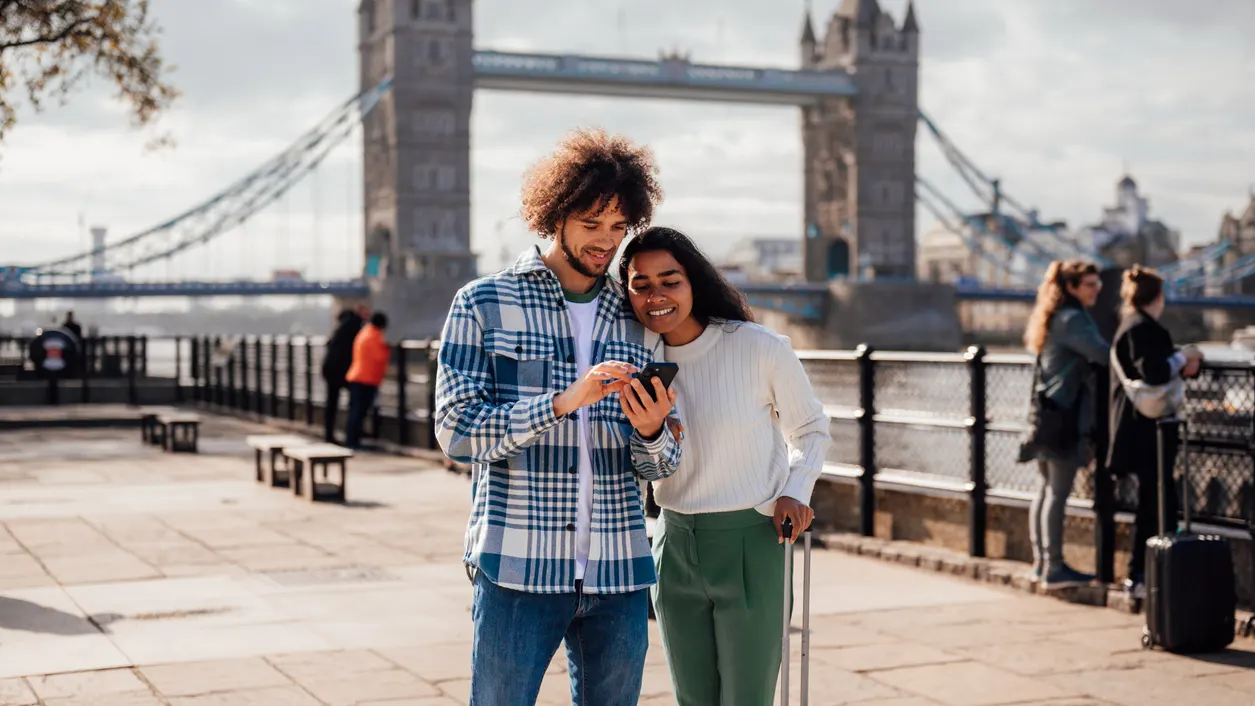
(517, 634)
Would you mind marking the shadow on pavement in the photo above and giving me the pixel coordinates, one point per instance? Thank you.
(1231, 657)
(17, 614)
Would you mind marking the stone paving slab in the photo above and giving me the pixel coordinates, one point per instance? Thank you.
(132, 578)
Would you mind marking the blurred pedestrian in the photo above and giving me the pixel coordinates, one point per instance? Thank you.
(1143, 351)
(72, 326)
(1067, 342)
(371, 354)
(336, 363)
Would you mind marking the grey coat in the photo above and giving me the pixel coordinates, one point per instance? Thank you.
(1073, 344)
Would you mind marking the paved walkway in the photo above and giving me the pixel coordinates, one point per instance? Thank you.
(132, 577)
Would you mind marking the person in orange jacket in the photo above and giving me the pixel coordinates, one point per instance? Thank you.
(371, 354)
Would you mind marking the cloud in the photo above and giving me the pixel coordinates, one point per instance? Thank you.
(1055, 97)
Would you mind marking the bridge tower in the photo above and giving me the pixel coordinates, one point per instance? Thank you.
(416, 158)
(859, 154)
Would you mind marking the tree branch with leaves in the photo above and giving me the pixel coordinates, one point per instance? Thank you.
(48, 47)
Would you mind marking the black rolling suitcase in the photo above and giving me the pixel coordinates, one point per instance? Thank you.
(1190, 599)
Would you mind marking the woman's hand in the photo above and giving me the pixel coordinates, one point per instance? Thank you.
(795, 510)
(602, 379)
(644, 412)
(1193, 361)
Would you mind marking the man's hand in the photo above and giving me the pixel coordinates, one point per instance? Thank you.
(795, 510)
(602, 379)
(645, 413)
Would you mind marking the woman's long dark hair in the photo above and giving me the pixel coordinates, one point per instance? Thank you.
(714, 299)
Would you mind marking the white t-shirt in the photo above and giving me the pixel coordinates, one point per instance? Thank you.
(583, 319)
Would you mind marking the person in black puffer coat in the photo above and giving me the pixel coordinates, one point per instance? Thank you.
(336, 362)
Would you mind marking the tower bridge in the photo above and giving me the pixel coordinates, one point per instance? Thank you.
(856, 91)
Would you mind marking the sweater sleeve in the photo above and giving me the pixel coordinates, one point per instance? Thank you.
(802, 420)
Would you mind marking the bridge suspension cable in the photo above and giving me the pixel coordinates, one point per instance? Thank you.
(228, 208)
(928, 196)
(1023, 221)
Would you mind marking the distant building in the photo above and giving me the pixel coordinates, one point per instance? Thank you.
(947, 257)
(1128, 235)
(1239, 233)
(764, 260)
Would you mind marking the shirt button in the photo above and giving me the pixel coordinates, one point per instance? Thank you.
(632, 360)
(571, 470)
(570, 359)
(570, 527)
(518, 349)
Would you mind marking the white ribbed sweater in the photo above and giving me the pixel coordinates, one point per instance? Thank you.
(737, 454)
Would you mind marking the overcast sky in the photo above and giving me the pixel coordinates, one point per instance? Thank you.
(1055, 96)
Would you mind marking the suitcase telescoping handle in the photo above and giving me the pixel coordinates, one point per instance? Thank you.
(1178, 425)
(786, 528)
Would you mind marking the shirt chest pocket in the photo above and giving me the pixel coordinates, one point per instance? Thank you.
(522, 363)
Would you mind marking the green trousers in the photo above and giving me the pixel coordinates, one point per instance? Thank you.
(719, 601)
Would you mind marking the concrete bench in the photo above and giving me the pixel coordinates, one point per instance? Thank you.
(148, 423)
(313, 457)
(179, 431)
(273, 444)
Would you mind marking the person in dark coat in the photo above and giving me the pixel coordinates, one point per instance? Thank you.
(1144, 350)
(336, 363)
(1066, 339)
(72, 326)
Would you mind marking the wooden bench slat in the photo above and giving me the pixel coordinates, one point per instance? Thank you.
(178, 418)
(318, 452)
(268, 442)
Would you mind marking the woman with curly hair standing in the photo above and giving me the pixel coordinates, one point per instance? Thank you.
(1067, 342)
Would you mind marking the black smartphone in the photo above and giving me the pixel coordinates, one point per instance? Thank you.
(663, 371)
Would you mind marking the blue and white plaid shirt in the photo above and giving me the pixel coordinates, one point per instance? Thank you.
(507, 350)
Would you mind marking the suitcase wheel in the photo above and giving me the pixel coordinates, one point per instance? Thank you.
(1146, 641)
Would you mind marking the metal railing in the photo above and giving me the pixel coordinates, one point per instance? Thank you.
(98, 362)
(947, 423)
(953, 423)
(281, 377)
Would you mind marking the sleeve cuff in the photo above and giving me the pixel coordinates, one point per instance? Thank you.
(800, 486)
(1176, 362)
(657, 445)
(540, 415)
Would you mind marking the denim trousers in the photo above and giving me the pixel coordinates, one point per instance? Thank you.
(516, 635)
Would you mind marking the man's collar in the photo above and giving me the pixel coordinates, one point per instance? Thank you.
(529, 262)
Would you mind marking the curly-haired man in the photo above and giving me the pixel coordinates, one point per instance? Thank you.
(531, 361)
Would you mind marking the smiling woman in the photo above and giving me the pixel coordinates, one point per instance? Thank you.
(662, 268)
(755, 441)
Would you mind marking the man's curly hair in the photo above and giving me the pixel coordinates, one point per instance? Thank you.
(587, 171)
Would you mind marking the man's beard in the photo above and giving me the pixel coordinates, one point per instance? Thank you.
(578, 265)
